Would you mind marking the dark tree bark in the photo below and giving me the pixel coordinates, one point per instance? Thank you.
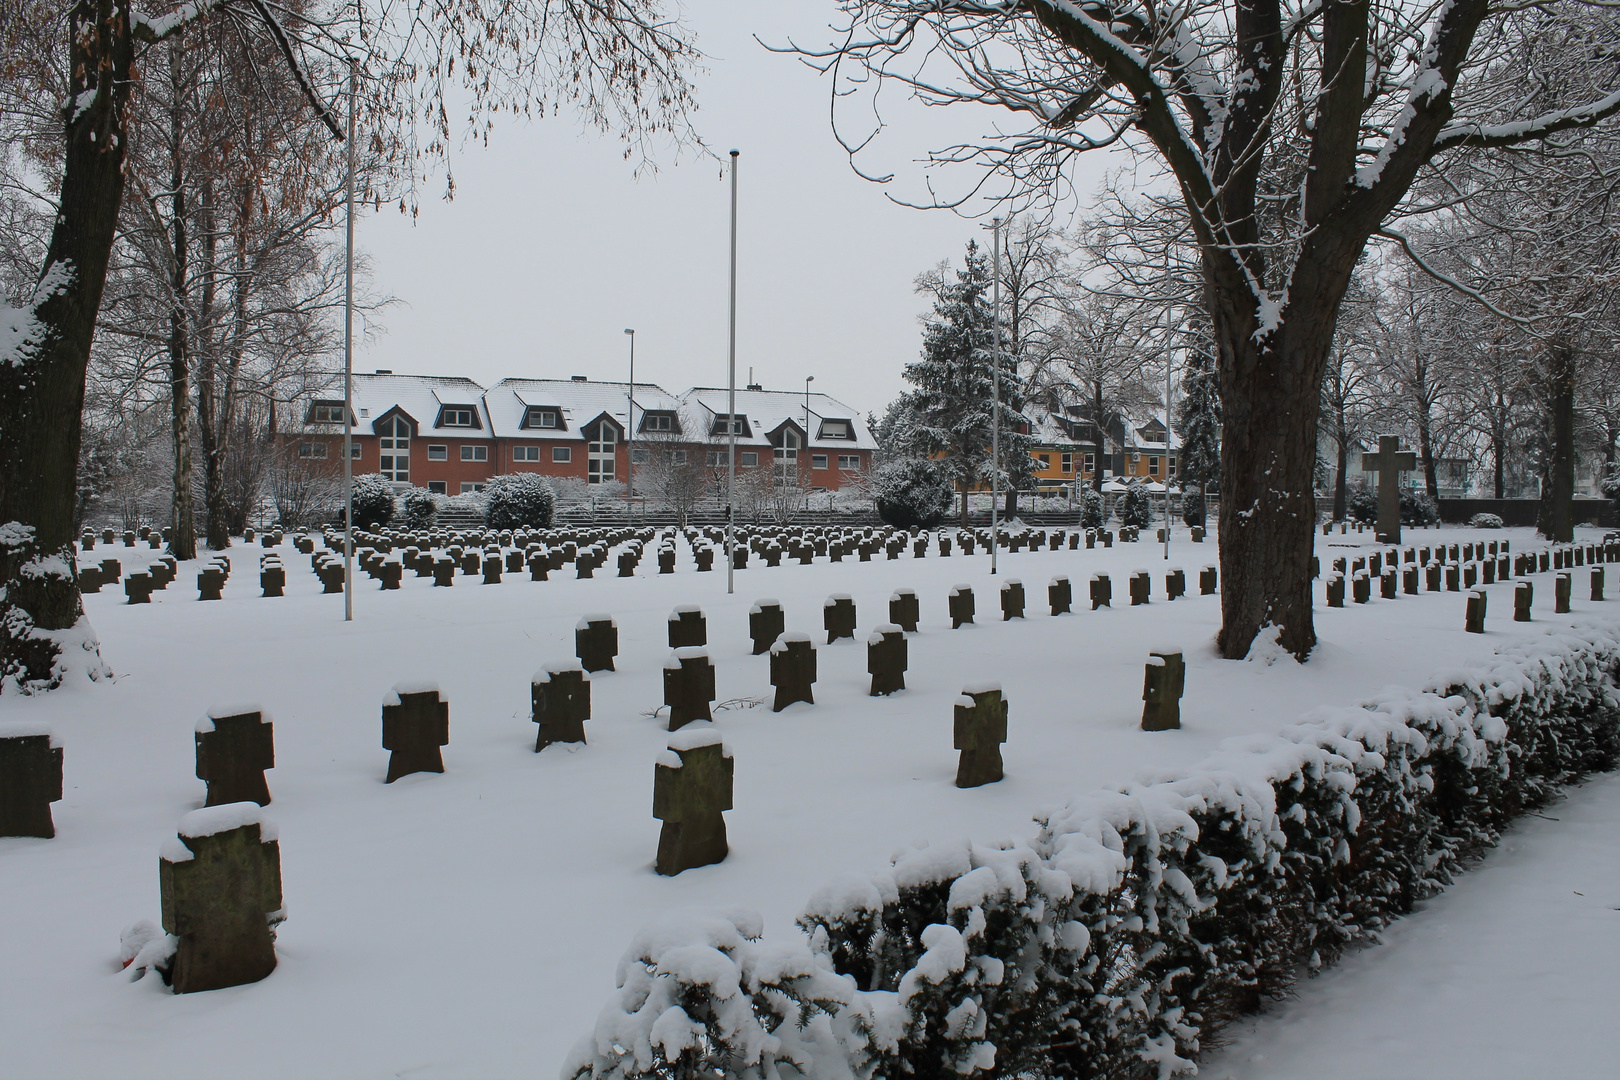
(42, 395)
(1558, 488)
(1341, 481)
(183, 537)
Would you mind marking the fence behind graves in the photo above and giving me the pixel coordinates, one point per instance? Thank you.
(1135, 923)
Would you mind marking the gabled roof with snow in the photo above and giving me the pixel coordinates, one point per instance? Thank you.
(766, 412)
(422, 398)
(1146, 433)
(576, 402)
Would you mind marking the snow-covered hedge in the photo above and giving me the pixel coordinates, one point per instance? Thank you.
(1485, 521)
(913, 491)
(519, 501)
(1135, 922)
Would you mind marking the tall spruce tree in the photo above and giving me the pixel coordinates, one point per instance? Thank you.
(1198, 423)
(953, 405)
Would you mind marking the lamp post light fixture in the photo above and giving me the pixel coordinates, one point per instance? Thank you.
(630, 437)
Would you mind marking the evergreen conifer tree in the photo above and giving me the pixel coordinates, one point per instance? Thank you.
(1198, 423)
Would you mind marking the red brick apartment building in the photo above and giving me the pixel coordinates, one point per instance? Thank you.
(451, 435)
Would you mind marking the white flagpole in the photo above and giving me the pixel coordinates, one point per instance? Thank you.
(731, 390)
(348, 371)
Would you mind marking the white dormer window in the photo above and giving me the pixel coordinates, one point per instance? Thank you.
(457, 418)
(739, 425)
(326, 412)
(657, 422)
(542, 418)
(835, 429)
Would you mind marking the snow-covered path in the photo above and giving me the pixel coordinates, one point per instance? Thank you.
(469, 924)
(1512, 973)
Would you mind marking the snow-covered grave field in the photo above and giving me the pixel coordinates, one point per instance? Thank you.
(469, 924)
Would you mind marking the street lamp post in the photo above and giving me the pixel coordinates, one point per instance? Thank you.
(348, 362)
(630, 437)
(731, 389)
(995, 391)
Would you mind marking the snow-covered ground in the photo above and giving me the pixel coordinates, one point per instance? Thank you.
(469, 924)
(1508, 974)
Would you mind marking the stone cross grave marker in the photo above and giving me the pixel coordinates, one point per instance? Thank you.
(960, 601)
(415, 724)
(560, 697)
(1597, 583)
(30, 778)
(596, 642)
(210, 582)
(1060, 596)
(1163, 683)
(220, 881)
(1389, 462)
(138, 587)
(1561, 593)
(272, 576)
(1474, 616)
(904, 610)
(235, 745)
(1523, 594)
(838, 616)
(1361, 587)
(688, 686)
(1208, 578)
(887, 656)
(765, 624)
(979, 730)
(687, 627)
(1012, 599)
(692, 787)
(793, 669)
(1335, 590)
(1141, 585)
(1102, 591)
(1175, 584)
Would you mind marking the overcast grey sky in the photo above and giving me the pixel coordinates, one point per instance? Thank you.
(552, 246)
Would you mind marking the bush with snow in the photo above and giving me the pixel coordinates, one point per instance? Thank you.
(1092, 509)
(421, 507)
(519, 501)
(373, 501)
(1485, 521)
(913, 491)
(1136, 506)
(1416, 506)
(1135, 923)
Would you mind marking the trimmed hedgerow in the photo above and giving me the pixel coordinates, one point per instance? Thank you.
(1135, 923)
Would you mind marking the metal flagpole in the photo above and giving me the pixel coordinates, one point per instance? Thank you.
(630, 436)
(348, 372)
(731, 389)
(995, 384)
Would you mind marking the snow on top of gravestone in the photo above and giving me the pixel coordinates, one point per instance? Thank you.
(1168, 648)
(586, 620)
(781, 643)
(410, 686)
(686, 652)
(696, 734)
(762, 603)
(886, 628)
(669, 759)
(220, 712)
(982, 688)
(1155, 661)
(683, 609)
(557, 667)
(1008, 582)
(957, 590)
(1059, 579)
(900, 593)
(834, 598)
(23, 729)
(218, 819)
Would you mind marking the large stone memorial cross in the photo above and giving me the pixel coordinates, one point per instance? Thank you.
(30, 778)
(692, 786)
(235, 745)
(561, 702)
(415, 724)
(1389, 462)
(980, 729)
(221, 887)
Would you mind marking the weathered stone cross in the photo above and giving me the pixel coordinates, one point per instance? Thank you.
(1389, 463)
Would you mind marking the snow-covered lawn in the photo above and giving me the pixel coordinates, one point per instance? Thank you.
(469, 924)
(1508, 974)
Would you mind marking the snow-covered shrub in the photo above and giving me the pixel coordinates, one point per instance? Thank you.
(1136, 505)
(1485, 521)
(373, 501)
(1136, 922)
(913, 491)
(1416, 506)
(421, 507)
(1192, 507)
(1092, 509)
(518, 501)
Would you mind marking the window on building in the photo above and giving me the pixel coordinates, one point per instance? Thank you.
(562, 453)
(1045, 460)
(467, 487)
(657, 422)
(640, 456)
(818, 461)
(1091, 463)
(678, 457)
(395, 444)
(437, 487)
(354, 451)
(525, 453)
(835, 429)
(1153, 466)
(1067, 462)
(539, 418)
(438, 453)
(326, 412)
(475, 453)
(717, 459)
(849, 462)
(748, 458)
(456, 418)
(364, 413)
(601, 453)
(739, 425)
(1172, 471)
(312, 450)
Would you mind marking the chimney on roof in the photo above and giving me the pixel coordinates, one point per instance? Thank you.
(755, 386)
(580, 378)
(385, 371)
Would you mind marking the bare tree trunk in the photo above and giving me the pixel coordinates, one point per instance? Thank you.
(1499, 445)
(965, 488)
(1558, 493)
(1097, 426)
(1341, 482)
(42, 390)
(183, 539)
(1431, 479)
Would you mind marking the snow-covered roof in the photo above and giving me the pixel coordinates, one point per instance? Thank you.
(765, 411)
(1137, 440)
(576, 401)
(422, 398)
